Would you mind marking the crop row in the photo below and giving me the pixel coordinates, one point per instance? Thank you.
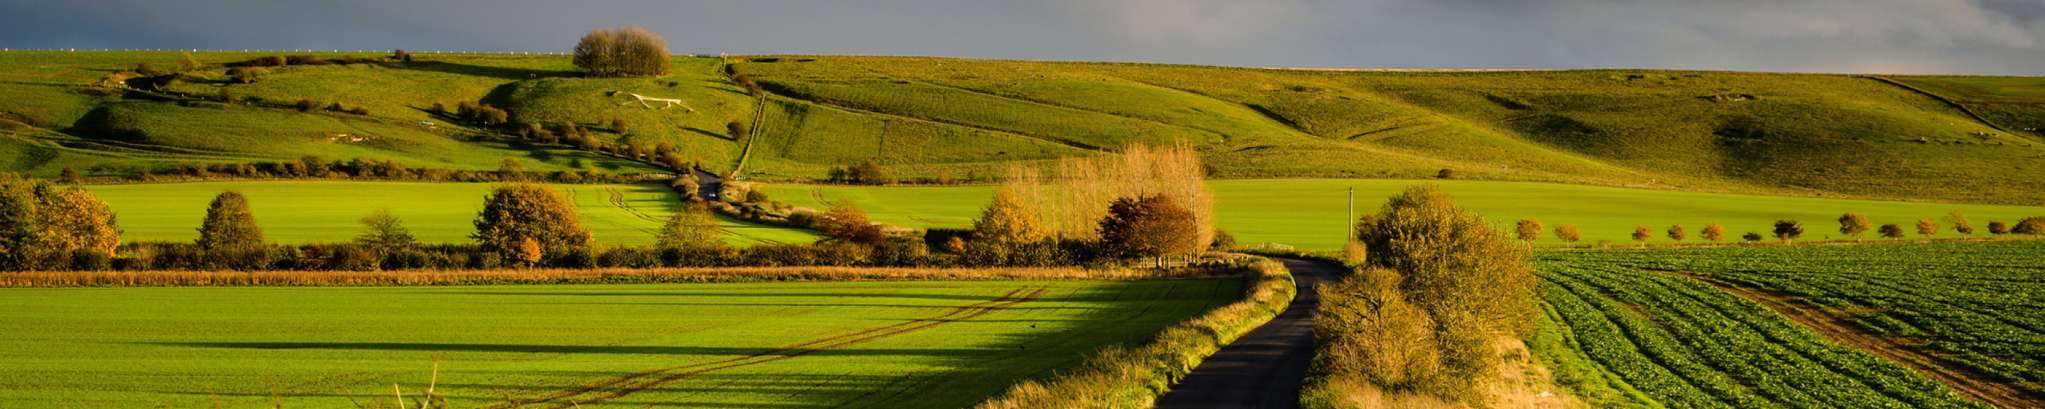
(1687, 344)
(1979, 304)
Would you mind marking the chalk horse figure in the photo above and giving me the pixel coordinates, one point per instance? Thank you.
(665, 103)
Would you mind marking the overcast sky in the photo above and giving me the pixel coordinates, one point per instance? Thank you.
(1885, 36)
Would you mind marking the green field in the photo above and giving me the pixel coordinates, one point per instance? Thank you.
(329, 211)
(1635, 338)
(915, 344)
(1312, 213)
(1626, 328)
(942, 118)
(1973, 304)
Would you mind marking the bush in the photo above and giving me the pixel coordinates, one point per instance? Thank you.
(1714, 232)
(1752, 237)
(1927, 227)
(1471, 281)
(1568, 233)
(1788, 230)
(2031, 225)
(1998, 227)
(229, 225)
(844, 222)
(1891, 231)
(1642, 234)
(1152, 226)
(1678, 234)
(516, 213)
(1529, 230)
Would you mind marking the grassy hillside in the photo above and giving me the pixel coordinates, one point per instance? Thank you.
(304, 212)
(1313, 213)
(899, 344)
(1915, 138)
(54, 118)
(1691, 130)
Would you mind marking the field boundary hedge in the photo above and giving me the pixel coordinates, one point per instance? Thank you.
(1119, 377)
(50, 279)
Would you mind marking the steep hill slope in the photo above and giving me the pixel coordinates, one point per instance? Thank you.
(1917, 138)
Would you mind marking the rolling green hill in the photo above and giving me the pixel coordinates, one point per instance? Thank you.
(1913, 138)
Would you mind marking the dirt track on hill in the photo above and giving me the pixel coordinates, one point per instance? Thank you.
(1265, 368)
(1838, 327)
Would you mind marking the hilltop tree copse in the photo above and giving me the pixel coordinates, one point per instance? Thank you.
(1788, 230)
(1714, 232)
(519, 212)
(1854, 225)
(1892, 231)
(1150, 226)
(1678, 234)
(1472, 283)
(1529, 229)
(229, 224)
(1958, 219)
(622, 51)
(1568, 233)
(695, 227)
(1927, 227)
(1642, 234)
(1008, 222)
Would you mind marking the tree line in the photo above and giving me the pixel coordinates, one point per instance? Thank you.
(1854, 225)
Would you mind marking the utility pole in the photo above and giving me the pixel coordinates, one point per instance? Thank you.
(1352, 211)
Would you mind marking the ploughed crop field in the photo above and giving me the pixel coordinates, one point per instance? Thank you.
(329, 211)
(1312, 213)
(893, 344)
(1912, 325)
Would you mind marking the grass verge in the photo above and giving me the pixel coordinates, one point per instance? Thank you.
(1134, 377)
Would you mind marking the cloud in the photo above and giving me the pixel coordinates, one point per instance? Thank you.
(1913, 36)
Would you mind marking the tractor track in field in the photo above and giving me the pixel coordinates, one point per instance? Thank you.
(1839, 327)
(625, 385)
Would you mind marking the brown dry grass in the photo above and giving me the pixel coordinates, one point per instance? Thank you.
(558, 276)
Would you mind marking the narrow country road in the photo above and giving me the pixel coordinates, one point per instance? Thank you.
(1264, 368)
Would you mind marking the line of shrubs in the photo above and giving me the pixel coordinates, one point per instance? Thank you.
(144, 256)
(314, 167)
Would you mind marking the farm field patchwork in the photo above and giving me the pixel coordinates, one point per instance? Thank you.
(896, 344)
(1972, 311)
(329, 211)
(1312, 213)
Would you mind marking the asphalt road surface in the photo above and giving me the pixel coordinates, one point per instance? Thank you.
(1264, 368)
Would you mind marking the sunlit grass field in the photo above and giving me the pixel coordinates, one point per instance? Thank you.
(906, 344)
(329, 211)
(1313, 213)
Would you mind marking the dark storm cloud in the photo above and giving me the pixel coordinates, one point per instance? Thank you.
(1917, 36)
